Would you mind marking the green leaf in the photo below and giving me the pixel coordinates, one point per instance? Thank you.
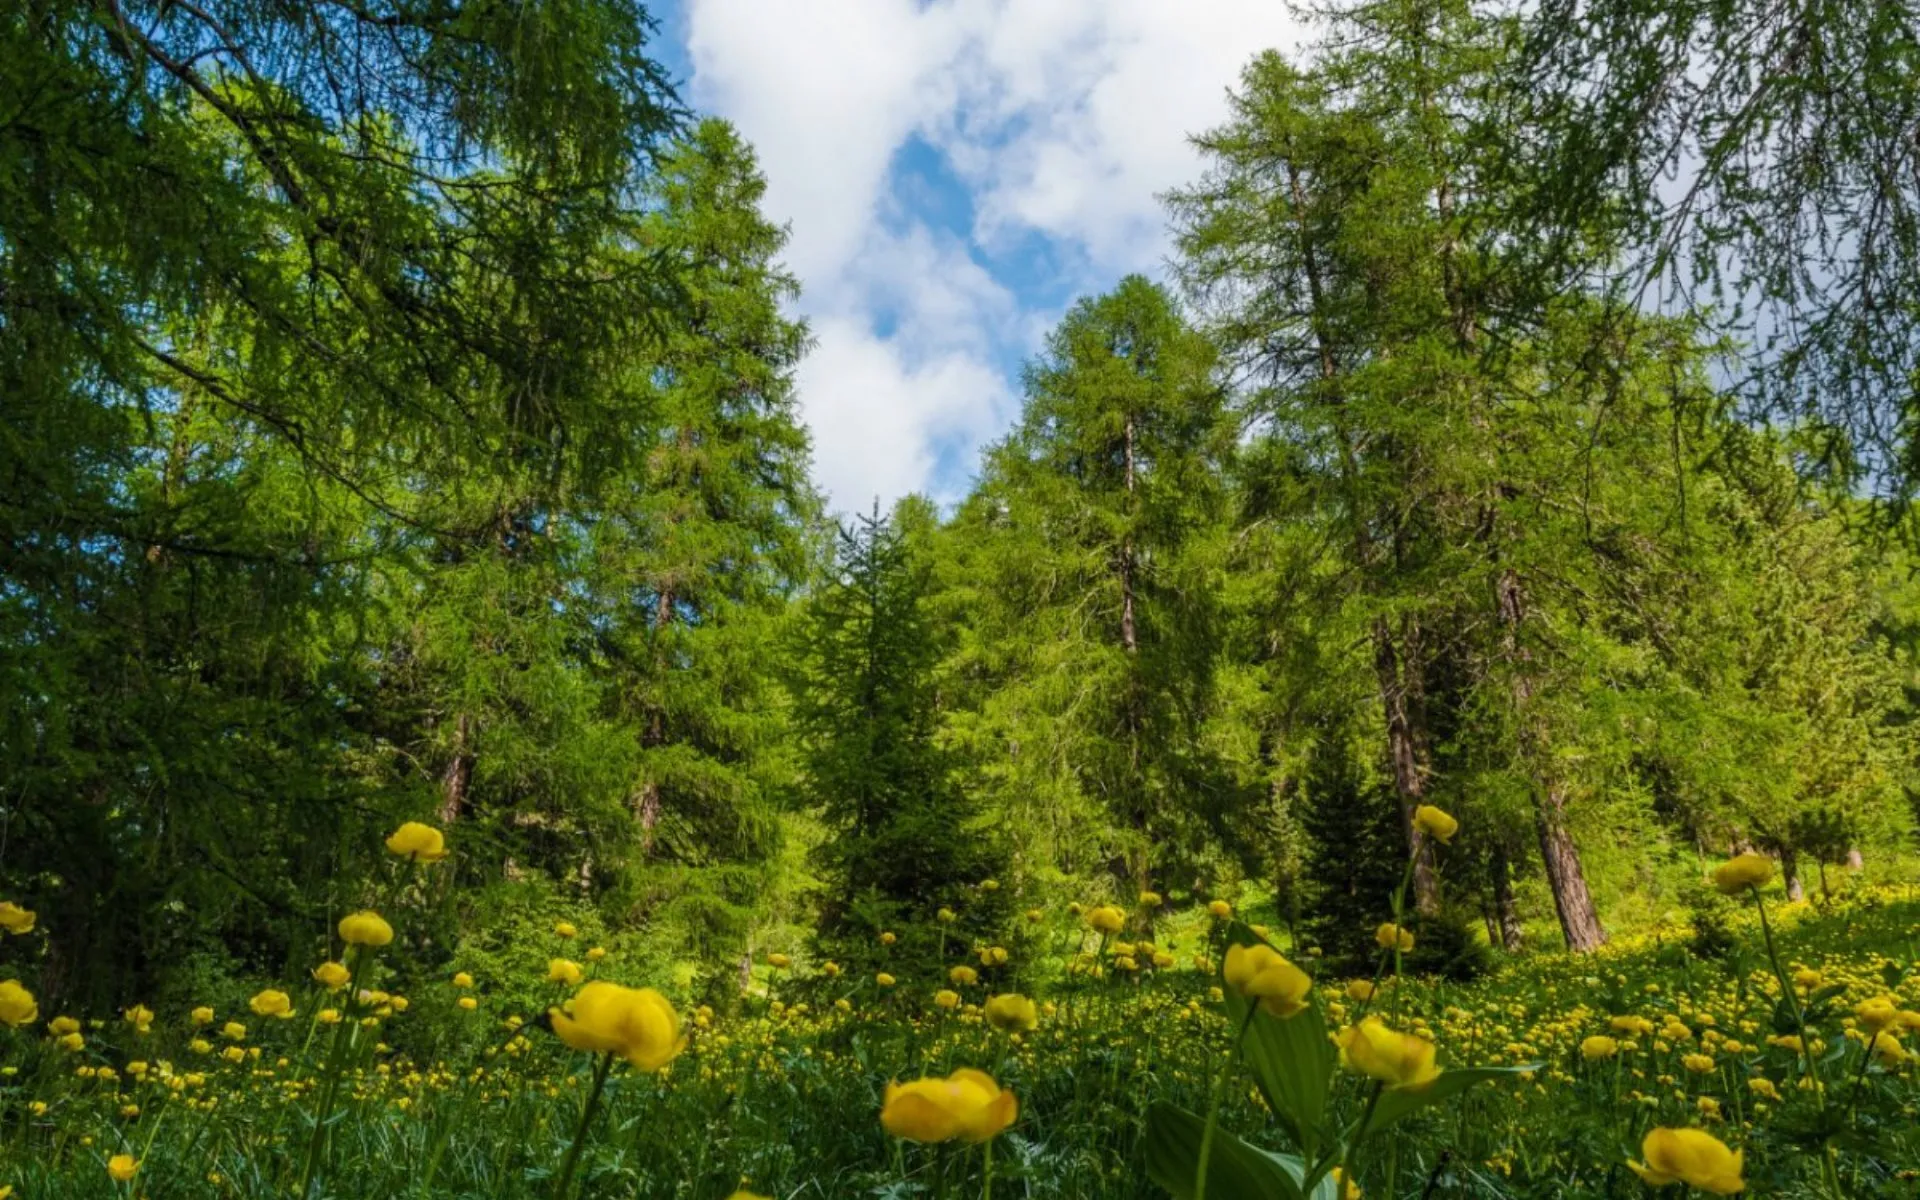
(1235, 1170)
(1292, 1059)
(1394, 1105)
(1785, 1020)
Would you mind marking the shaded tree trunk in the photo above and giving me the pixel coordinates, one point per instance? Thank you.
(458, 776)
(1572, 901)
(1790, 872)
(1406, 752)
(1579, 921)
(1505, 924)
(646, 806)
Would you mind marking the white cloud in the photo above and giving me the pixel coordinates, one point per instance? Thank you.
(878, 418)
(1064, 118)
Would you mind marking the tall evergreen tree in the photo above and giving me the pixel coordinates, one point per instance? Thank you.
(1085, 546)
(905, 838)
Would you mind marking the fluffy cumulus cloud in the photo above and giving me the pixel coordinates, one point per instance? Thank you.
(954, 172)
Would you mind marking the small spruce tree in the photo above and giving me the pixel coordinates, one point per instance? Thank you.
(904, 840)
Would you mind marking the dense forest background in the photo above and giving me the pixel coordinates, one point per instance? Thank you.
(397, 421)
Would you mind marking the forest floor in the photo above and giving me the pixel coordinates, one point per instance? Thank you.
(443, 1094)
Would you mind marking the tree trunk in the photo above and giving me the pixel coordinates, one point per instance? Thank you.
(1579, 922)
(1406, 752)
(1790, 872)
(1506, 910)
(646, 808)
(1855, 861)
(458, 776)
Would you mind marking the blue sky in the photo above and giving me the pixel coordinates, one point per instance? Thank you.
(955, 173)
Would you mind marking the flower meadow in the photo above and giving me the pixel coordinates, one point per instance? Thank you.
(1208, 1060)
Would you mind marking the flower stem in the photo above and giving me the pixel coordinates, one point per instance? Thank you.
(1213, 1104)
(600, 1069)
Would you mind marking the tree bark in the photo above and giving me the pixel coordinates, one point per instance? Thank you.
(1790, 872)
(1506, 910)
(1406, 752)
(458, 776)
(1572, 901)
(1579, 922)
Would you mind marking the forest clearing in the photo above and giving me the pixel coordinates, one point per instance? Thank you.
(906, 599)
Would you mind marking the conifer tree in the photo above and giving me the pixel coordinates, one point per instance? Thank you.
(905, 839)
(1085, 548)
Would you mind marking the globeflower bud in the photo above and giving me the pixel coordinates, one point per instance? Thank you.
(1744, 871)
(1401, 1061)
(1435, 823)
(1691, 1156)
(637, 1024)
(418, 843)
(968, 1104)
(365, 928)
(1262, 974)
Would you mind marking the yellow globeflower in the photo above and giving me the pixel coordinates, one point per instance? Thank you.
(331, 975)
(1105, 918)
(1343, 1187)
(365, 928)
(884, 980)
(1598, 1046)
(742, 1194)
(1690, 1156)
(1741, 872)
(203, 1015)
(563, 970)
(122, 1167)
(1887, 1048)
(1389, 934)
(635, 1023)
(14, 919)
(462, 980)
(1435, 823)
(963, 976)
(946, 998)
(418, 843)
(946, 916)
(967, 1104)
(140, 1017)
(1402, 1061)
(234, 1031)
(779, 962)
(1699, 1064)
(888, 937)
(1012, 1012)
(1360, 990)
(1877, 1013)
(1221, 910)
(272, 1003)
(62, 1026)
(1261, 973)
(468, 1003)
(1151, 899)
(565, 929)
(17, 1005)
